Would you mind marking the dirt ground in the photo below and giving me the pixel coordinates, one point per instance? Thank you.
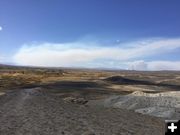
(41, 101)
(34, 112)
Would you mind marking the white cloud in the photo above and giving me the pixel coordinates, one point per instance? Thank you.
(1, 28)
(164, 65)
(154, 65)
(83, 54)
(137, 65)
(1, 59)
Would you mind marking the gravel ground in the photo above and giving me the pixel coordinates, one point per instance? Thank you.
(34, 112)
(165, 105)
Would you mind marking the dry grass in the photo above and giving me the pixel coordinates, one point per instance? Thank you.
(19, 77)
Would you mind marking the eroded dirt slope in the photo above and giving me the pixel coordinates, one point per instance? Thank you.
(34, 112)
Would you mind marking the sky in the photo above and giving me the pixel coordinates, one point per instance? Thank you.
(115, 34)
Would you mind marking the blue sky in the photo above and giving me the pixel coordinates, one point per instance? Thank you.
(123, 34)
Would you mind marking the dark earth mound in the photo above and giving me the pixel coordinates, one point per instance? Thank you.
(123, 80)
(126, 81)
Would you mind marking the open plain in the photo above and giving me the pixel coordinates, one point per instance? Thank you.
(51, 101)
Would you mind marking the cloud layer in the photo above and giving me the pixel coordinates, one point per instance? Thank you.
(154, 65)
(78, 54)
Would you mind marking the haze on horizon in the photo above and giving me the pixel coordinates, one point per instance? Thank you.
(116, 34)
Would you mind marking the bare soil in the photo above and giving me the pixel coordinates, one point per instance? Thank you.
(36, 112)
(49, 101)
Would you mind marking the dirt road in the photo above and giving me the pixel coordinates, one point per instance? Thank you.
(34, 112)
